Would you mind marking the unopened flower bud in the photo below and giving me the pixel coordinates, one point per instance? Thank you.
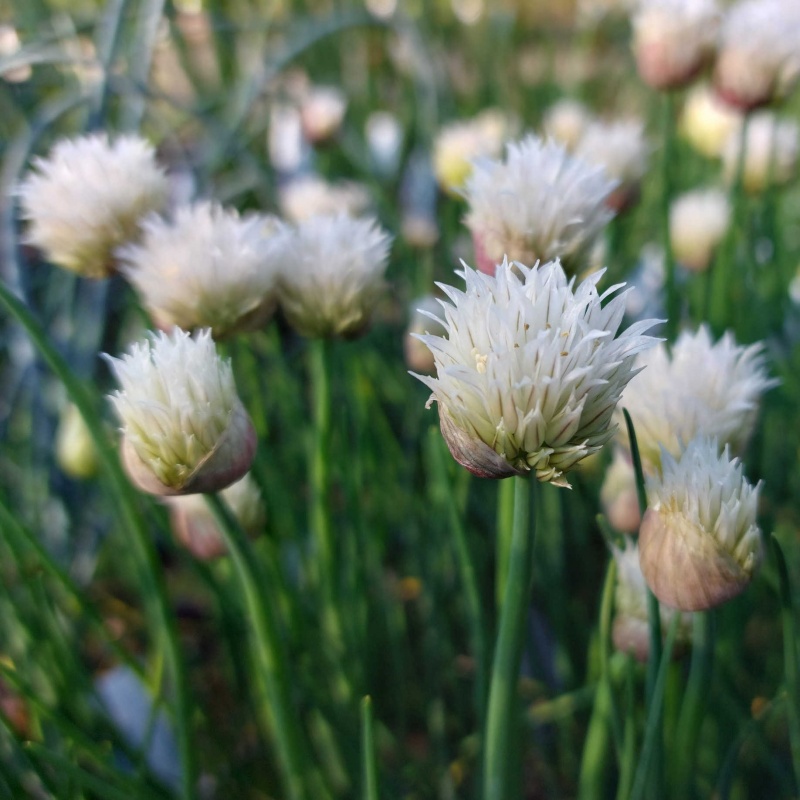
(698, 221)
(618, 494)
(321, 112)
(184, 429)
(196, 528)
(699, 544)
(75, 450)
(707, 122)
(565, 122)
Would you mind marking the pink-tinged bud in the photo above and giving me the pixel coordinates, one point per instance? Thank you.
(618, 494)
(699, 544)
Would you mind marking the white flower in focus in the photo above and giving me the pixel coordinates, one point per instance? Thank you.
(88, 197)
(531, 369)
(540, 203)
(631, 630)
(565, 122)
(184, 428)
(759, 52)
(459, 144)
(194, 524)
(423, 320)
(771, 151)
(208, 267)
(698, 221)
(701, 389)
(622, 149)
(311, 196)
(707, 122)
(332, 275)
(699, 544)
(673, 40)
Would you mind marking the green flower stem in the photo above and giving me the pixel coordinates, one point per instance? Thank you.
(153, 589)
(694, 703)
(595, 761)
(723, 268)
(477, 626)
(501, 717)
(369, 765)
(627, 770)
(280, 718)
(667, 168)
(648, 782)
(791, 666)
(505, 522)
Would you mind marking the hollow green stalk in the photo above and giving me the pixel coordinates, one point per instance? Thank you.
(791, 667)
(501, 716)
(505, 523)
(153, 589)
(279, 718)
(694, 703)
(369, 765)
(667, 168)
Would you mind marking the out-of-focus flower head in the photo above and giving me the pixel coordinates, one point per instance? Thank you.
(771, 150)
(539, 203)
(566, 121)
(698, 221)
(531, 369)
(384, 135)
(458, 144)
(322, 110)
(194, 525)
(311, 196)
(707, 122)
(332, 274)
(759, 52)
(9, 46)
(184, 429)
(673, 40)
(620, 147)
(206, 268)
(699, 543)
(75, 450)
(631, 630)
(702, 388)
(618, 494)
(87, 198)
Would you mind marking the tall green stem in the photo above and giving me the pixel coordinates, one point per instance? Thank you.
(280, 718)
(694, 702)
(502, 717)
(667, 168)
(154, 589)
(505, 523)
(791, 667)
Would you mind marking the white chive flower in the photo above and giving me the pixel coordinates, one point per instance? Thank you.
(195, 526)
(531, 369)
(539, 203)
(707, 122)
(699, 543)
(620, 147)
(184, 428)
(673, 40)
(698, 221)
(87, 197)
(759, 52)
(332, 274)
(702, 388)
(311, 196)
(565, 122)
(458, 144)
(630, 631)
(206, 268)
(771, 151)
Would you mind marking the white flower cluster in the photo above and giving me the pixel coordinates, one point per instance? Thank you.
(702, 388)
(88, 197)
(531, 369)
(208, 267)
(540, 203)
(699, 542)
(332, 274)
(184, 428)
